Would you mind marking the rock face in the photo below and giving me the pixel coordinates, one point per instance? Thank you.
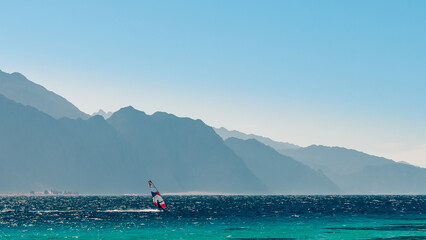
(283, 175)
(18, 88)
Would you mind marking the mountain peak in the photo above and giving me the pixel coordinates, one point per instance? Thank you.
(18, 74)
(225, 134)
(163, 115)
(127, 112)
(102, 113)
(127, 109)
(18, 88)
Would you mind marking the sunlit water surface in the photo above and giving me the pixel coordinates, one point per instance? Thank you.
(214, 217)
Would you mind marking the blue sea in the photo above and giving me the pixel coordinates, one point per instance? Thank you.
(213, 217)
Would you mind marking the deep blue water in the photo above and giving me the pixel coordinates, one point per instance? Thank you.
(214, 217)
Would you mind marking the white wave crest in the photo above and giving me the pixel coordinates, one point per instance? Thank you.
(131, 210)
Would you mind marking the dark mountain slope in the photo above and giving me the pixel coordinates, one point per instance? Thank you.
(18, 88)
(360, 173)
(225, 134)
(184, 154)
(39, 152)
(280, 173)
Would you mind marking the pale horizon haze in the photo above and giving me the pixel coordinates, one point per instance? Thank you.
(348, 74)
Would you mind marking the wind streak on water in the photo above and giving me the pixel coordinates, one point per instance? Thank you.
(214, 217)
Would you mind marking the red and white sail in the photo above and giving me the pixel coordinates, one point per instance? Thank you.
(156, 197)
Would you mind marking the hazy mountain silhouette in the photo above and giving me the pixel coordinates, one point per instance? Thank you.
(357, 172)
(280, 173)
(39, 152)
(184, 154)
(225, 134)
(102, 113)
(17, 87)
(90, 156)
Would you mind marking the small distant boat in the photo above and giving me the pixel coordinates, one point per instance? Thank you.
(156, 197)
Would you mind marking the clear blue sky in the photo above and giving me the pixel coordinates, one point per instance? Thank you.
(345, 73)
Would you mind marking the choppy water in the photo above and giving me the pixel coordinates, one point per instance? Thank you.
(214, 217)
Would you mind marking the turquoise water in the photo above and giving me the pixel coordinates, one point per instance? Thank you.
(214, 217)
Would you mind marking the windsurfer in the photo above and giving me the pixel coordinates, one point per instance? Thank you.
(158, 205)
(156, 197)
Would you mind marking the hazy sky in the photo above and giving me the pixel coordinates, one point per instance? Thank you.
(336, 73)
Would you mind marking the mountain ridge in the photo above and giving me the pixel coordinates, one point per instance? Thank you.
(166, 138)
(102, 113)
(134, 142)
(282, 174)
(225, 134)
(97, 156)
(360, 173)
(17, 87)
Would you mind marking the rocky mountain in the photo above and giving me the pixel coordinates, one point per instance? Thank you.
(119, 156)
(359, 173)
(225, 134)
(102, 113)
(183, 153)
(47, 143)
(17, 87)
(282, 174)
(40, 152)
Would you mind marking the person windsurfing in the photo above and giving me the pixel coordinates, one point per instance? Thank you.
(159, 206)
(156, 197)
